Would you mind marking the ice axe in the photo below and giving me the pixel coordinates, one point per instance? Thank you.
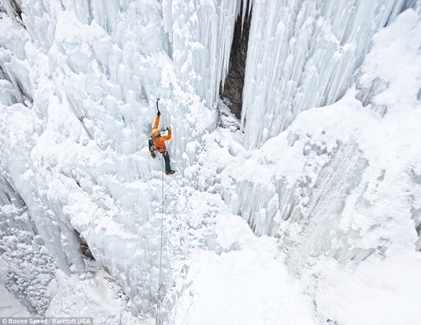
(159, 113)
(157, 107)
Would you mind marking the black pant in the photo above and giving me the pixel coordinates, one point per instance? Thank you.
(165, 154)
(167, 160)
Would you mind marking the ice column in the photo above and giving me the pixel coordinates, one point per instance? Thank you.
(302, 54)
(200, 34)
(27, 266)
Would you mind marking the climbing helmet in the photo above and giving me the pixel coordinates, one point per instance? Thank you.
(155, 133)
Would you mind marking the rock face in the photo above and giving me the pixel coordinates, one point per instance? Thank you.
(232, 91)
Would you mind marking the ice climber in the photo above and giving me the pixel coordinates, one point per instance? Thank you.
(157, 142)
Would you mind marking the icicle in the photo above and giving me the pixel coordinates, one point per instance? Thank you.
(303, 54)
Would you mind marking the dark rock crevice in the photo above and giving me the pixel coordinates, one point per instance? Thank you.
(232, 90)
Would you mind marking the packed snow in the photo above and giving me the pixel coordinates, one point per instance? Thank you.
(307, 211)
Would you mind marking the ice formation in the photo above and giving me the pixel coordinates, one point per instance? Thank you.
(300, 44)
(322, 171)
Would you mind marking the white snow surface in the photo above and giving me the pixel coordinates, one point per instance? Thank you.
(10, 306)
(308, 220)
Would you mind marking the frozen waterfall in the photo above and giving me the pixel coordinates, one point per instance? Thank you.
(297, 45)
(267, 218)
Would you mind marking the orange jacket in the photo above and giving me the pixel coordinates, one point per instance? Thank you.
(159, 143)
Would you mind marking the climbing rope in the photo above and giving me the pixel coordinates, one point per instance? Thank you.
(160, 253)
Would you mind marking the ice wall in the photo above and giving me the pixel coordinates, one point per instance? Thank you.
(201, 34)
(19, 134)
(89, 70)
(78, 91)
(79, 85)
(328, 185)
(26, 266)
(303, 54)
